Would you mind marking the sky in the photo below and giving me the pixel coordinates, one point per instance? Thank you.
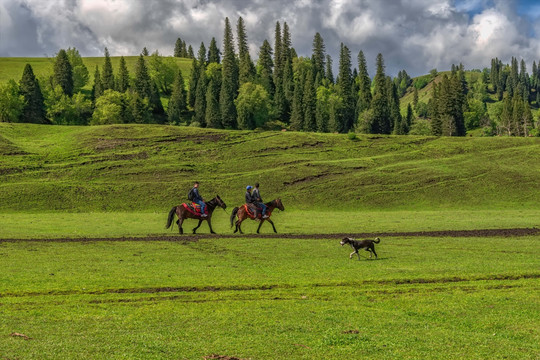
(415, 35)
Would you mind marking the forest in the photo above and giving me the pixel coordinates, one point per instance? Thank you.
(226, 89)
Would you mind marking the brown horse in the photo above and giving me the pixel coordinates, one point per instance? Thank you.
(182, 214)
(242, 215)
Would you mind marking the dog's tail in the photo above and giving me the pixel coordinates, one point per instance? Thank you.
(377, 240)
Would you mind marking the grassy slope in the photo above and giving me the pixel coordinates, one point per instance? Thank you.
(144, 168)
(12, 68)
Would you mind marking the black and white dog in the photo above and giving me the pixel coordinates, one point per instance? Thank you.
(367, 245)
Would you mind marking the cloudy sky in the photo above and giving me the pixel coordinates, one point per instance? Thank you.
(415, 35)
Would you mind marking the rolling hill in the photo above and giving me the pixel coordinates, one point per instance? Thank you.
(145, 167)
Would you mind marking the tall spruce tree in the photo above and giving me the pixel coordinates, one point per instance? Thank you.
(33, 110)
(79, 70)
(279, 95)
(393, 104)
(142, 82)
(213, 116)
(62, 73)
(194, 77)
(382, 123)
(190, 53)
(264, 66)
(107, 75)
(97, 88)
(329, 72)
(344, 89)
(229, 82)
(213, 52)
(177, 103)
(145, 52)
(308, 103)
(122, 80)
(178, 48)
(201, 55)
(155, 104)
(318, 58)
(364, 85)
(200, 98)
(246, 67)
(297, 108)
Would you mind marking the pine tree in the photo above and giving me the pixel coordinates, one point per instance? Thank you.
(142, 82)
(364, 84)
(145, 52)
(190, 53)
(393, 103)
(122, 80)
(201, 55)
(178, 48)
(265, 66)
(62, 73)
(97, 88)
(246, 67)
(155, 104)
(177, 103)
(308, 103)
(297, 111)
(409, 118)
(194, 77)
(280, 102)
(213, 116)
(213, 52)
(329, 72)
(344, 90)
(381, 113)
(200, 98)
(229, 83)
(140, 113)
(34, 108)
(107, 76)
(79, 70)
(318, 57)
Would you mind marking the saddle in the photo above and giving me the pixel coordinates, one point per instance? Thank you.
(251, 208)
(194, 208)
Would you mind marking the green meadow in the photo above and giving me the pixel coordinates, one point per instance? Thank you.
(272, 297)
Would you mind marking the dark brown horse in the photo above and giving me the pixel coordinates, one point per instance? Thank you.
(183, 213)
(243, 214)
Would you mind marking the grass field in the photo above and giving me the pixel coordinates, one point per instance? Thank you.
(162, 296)
(271, 299)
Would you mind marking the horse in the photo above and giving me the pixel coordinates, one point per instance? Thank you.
(183, 214)
(242, 215)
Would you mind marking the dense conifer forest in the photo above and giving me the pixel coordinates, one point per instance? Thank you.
(227, 89)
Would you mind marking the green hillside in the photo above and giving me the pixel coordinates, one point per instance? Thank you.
(149, 167)
(12, 68)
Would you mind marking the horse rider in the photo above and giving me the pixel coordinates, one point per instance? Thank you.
(257, 200)
(250, 200)
(194, 196)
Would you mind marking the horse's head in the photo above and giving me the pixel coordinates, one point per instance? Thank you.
(220, 202)
(279, 205)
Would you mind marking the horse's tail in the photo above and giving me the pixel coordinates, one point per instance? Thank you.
(171, 217)
(233, 215)
(377, 240)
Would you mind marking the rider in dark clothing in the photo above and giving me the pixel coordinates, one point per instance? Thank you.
(194, 196)
(257, 200)
(249, 197)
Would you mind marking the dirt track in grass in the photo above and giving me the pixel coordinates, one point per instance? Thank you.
(196, 237)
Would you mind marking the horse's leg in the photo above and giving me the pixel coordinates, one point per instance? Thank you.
(273, 226)
(239, 225)
(195, 228)
(260, 224)
(179, 222)
(209, 220)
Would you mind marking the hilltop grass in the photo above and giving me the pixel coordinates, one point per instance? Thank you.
(12, 67)
(281, 299)
(146, 168)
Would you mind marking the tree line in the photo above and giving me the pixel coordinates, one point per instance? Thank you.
(227, 89)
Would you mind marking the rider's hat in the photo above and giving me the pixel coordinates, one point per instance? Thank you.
(249, 187)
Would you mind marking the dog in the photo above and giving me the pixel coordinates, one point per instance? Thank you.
(367, 245)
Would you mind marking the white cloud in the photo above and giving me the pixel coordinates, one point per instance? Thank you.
(415, 35)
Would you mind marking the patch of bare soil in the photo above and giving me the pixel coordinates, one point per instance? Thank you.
(221, 357)
(186, 238)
